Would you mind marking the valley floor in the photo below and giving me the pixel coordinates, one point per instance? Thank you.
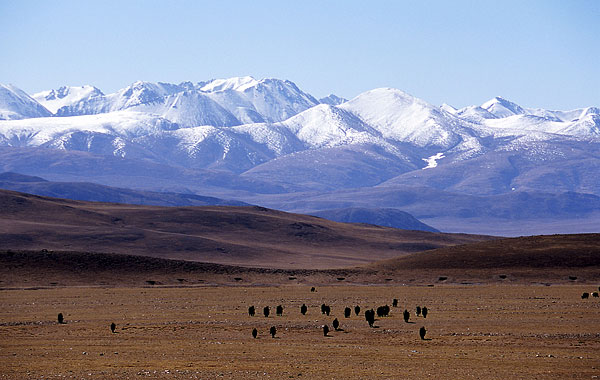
(484, 331)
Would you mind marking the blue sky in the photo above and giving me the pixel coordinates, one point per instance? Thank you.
(536, 53)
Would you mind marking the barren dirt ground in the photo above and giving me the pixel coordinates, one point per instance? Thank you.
(478, 332)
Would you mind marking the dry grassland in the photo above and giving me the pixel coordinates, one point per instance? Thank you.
(476, 332)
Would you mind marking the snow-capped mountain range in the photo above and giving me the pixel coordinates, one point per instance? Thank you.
(283, 140)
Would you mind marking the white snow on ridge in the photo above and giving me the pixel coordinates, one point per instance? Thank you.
(53, 100)
(38, 131)
(432, 161)
(235, 83)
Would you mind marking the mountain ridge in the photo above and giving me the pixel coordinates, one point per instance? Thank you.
(255, 139)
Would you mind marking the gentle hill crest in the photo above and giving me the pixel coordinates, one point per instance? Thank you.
(245, 236)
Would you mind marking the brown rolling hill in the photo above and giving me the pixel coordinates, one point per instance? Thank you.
(550, 258)
(243, 236)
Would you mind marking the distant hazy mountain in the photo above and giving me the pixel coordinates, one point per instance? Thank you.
(86, 191)
(267, 141)
(387, 217)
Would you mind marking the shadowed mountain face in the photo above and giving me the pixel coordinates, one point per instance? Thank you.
(86, 191)
(246, 236)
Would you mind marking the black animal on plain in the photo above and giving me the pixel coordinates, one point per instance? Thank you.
(272, 331)
(347, 312)
(313, 289)
(113, 327)
(336, 324)
(395, 302)
(585, 295)
(279, 310)
(422, 332)
(370, 317)
(595, 294)
(383, 311)
(424, 312)
(251, 311)
(254, 333)
(266, 311)
(406, 315)
(418, 310)
(61, 319)
(356, 310)
(303, 309)
(325, 330)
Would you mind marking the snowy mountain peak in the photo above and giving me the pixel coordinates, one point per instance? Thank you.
(402, 117)
(235, 84)
(332, 100)
(502, 107)
(53, 100)
(15, 104)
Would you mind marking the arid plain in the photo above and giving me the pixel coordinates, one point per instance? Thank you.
(483, 331)
(498, 308)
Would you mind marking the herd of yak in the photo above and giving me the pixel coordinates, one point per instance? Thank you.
(381, 311)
